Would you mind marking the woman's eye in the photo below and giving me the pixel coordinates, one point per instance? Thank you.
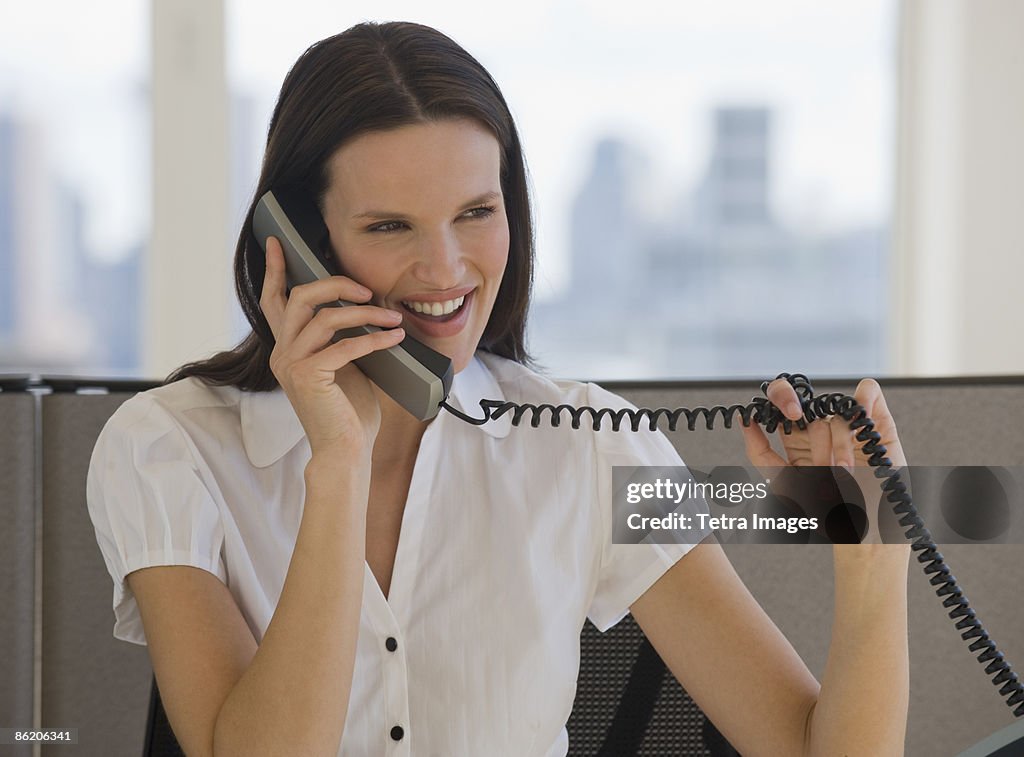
(387, 228)
(482, 212)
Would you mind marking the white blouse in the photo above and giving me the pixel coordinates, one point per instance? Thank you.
(505, 548)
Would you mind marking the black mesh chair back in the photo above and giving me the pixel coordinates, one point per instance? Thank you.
(628, 703)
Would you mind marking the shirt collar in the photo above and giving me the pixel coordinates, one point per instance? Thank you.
(473, 383)
(270, 428)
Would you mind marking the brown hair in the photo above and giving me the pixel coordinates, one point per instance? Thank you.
(370, 77)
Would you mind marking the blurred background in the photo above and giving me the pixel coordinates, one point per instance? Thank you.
(726, 189)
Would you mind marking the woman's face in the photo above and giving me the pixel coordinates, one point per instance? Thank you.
(416, 214)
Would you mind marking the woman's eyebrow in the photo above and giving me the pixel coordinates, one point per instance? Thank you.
(380, 214)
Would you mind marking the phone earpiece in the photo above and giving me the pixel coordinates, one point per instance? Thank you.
(415, 376)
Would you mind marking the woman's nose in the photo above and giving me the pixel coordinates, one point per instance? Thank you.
(440, 262)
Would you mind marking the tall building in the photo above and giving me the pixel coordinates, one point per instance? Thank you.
(116, 349)
(105, 294)
(33, 319)
(734, 193)
(602, 247)
(61, 311)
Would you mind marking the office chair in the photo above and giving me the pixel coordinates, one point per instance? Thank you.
(627, 703)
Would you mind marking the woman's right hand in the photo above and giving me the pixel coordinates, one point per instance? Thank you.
(332, 398)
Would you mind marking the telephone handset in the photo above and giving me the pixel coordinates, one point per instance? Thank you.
(415, 376)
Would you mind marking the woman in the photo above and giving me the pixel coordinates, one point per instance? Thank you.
(314, 569)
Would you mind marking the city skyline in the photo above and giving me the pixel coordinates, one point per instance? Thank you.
(722, 288)
(692, 247)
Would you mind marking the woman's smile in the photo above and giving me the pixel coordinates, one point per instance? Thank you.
(439, 316)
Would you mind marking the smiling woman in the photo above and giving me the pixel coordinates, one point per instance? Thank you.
(318, 572)
(333, 131)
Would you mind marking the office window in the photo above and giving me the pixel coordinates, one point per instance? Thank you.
(74, 186)
(711, 181)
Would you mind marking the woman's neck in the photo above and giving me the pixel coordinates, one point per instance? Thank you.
(398, 439)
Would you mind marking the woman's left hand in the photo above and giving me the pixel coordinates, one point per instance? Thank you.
(824, 442)
(831, 443)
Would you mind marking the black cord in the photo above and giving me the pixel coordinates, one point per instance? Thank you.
(761, 411)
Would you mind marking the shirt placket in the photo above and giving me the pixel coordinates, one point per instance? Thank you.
(388, 616)
(393, 666)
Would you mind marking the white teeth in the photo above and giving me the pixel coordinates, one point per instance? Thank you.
(436, 308)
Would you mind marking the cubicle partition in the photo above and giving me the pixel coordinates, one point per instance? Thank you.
(92, 682)
(18, 481)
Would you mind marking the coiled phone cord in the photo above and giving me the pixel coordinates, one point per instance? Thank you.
(761, 411)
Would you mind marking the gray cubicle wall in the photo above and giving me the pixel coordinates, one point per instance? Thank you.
(99, 685)
(18, 481)
(953, 704)
(90, 680)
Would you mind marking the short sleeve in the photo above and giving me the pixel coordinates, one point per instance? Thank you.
(149, 504)
(627, 570)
